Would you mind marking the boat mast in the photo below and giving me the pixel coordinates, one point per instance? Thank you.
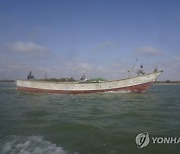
(132, 68)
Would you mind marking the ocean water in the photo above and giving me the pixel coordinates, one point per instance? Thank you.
(103, 123)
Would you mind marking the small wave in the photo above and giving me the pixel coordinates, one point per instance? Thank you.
(118, 92)
(29, 145)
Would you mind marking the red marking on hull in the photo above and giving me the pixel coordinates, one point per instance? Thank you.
(136, 88)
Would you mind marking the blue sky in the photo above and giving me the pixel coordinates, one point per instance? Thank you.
(101, 38)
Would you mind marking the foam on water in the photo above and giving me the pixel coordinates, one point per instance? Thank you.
(119, 92)
(29, 145)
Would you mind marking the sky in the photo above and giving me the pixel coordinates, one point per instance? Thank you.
(101, 38)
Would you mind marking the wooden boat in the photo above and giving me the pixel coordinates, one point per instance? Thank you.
(134, 84)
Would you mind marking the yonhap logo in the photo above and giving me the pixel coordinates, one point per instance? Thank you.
(142, 140)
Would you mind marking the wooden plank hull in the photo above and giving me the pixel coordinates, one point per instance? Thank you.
(135, 84)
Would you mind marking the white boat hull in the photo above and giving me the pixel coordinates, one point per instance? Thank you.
(135, 84)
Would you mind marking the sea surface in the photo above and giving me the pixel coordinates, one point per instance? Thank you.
(102, 123)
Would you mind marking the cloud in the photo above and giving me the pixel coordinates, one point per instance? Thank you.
(78, 65)
(148, 51)
(27, 47)
(102, 46)
(177, 58)
(176, 63)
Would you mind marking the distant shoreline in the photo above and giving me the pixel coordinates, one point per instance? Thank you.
(2, 81)
(166, 83)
